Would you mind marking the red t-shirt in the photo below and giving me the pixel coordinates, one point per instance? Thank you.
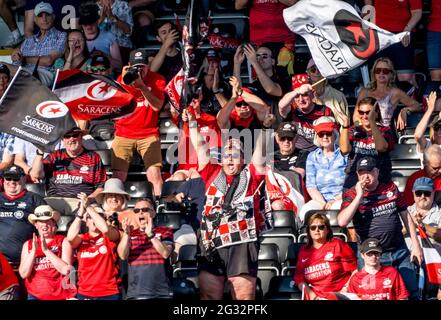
(97, 267)
(267, 24)
(7, 275)
(326, 269)
(435, 17)
(45, 282)
(386, 284)
(393, 15)
(143, 122)
(408, 194)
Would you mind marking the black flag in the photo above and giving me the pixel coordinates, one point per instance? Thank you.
(30, 111)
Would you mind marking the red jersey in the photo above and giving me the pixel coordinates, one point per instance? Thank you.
(326, 269)
(267, 24)
(435, 17)
(143, 122)
(97, 268)
(401, 10)
(7, 275)
(45, 282)
(386, 284)
(408, 194)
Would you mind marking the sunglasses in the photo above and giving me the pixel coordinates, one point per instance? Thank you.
(313, 69)
(286, 139)
(138, 210)
(231, 155)
(72, 135)
(43, 214)
(242, 104)
(324, 133)
(97, 69)
(382, 70)
(304, 95)
(313, 227)
(13, 179)
(263, 55)
(419, 193)
(373, 253)
(363, 112)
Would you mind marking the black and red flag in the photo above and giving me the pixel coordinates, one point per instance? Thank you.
(30, 111)
(91, 96)
(432, 258)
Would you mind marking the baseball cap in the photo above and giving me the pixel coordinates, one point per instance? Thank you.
(423, 184)
(100, 59)
(212, 54)
(43, 7)
(13, 172)
(301, 83)
(287, 129)
(366, 163)
(370, 244)
(139, 56)
(4, 69)
(74, 130)
(89, 13)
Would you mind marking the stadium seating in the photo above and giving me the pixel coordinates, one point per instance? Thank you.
(186, 266)
(38, 188)
(268, 265)
(290, 262)
(283, 288)
(137, 190)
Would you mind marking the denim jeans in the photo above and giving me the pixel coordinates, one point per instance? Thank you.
(400, 259)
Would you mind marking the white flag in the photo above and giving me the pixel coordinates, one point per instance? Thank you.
(339, 40)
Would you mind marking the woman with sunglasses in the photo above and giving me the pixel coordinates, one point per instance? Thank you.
(325, 264)
(76, 55)
(147, 249)
(435, 128)
(96, 254)
(325, 169)
(46, 259)
(366, 137)
(383, 88)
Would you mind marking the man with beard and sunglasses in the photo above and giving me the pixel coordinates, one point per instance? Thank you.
(70, 171)
(299, 106)
(147, 250)
(376, 210)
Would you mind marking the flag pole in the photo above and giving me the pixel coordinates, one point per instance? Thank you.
(55, 80)
(10, 84)
(318, 82)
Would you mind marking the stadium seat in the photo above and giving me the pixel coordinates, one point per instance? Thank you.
(137, 190)
(186, 264)
(268, 265)
(170, 220)
(184, 289)
(404, 157)
(290, 262)
(38, 188)
(105, 157)
(283, 288)
(64, 224)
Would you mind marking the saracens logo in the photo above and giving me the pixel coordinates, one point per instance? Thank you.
(99, 90)
(361, 40)
(51, 109)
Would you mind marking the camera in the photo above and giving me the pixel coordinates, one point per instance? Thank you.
(132, 74)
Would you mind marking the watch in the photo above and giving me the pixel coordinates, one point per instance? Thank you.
(150, 236)
(39, 153)
(240, 93)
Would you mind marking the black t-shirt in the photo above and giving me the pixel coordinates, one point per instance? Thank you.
(15, 229)
(171, 66)
(295, 160)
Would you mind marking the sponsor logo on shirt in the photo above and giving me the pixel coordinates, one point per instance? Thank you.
(329, 256)
(18, 214)
(21, 205)
(387, 283)
(103, 249)
(84, 169)
(68, 179)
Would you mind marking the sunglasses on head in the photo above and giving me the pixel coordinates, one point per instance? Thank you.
(43, 214)
(382, 70)
(97, 69)
(419, 193)
(12, 179)
(373, 253)
(71, 135)
(145, 209)
(304, 95)
(313, 227)
(324, 133)
(313, 69)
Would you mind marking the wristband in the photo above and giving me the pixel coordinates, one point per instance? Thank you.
(345, 127)
(78, 216)
(150, 236)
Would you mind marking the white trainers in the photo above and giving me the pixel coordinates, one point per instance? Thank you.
(13, 42)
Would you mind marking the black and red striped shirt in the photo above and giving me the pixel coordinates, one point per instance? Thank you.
(305, 128)
(378, 215)
(66, 176)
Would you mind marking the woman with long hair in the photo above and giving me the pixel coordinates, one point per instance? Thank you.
(76, 55)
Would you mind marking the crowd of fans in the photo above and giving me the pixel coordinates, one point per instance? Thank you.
(286, 119)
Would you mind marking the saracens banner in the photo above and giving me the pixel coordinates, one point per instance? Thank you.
(30, 111)
(91, 96)
(338, 38)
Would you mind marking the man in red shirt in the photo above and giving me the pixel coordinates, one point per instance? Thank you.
(140, 130)
(374, 281)
(432, 170)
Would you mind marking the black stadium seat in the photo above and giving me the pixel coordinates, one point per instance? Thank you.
(404, 157)
(184, 289)
(283, 288)
(290, 262)
(268, 265)
(38, 188)
(138, 189)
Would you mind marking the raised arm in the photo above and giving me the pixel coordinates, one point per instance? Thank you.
(420, 129)
(239, 58)
(223, 116)
(262, 144)
(261, 108)
(169, 41)
(346, 215)
(198, 142)
(285, 103)
(101, 224)
(380, 143)
(37, 170)
(344, 142)
(220, 97)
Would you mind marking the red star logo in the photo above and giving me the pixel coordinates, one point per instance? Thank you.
(104, 88)
(55, 110)
(356, 30)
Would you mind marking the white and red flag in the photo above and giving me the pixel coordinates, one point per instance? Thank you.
(338, 38)
(91, 96)
(432, 258)
(174, 89)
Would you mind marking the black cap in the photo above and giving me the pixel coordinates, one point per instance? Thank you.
(366, 163)
(287, 129)
(100, 59)
(370, 244)
(74, 130)
(89, 13)
(4, 69)
(13, 172)
(139, 56)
